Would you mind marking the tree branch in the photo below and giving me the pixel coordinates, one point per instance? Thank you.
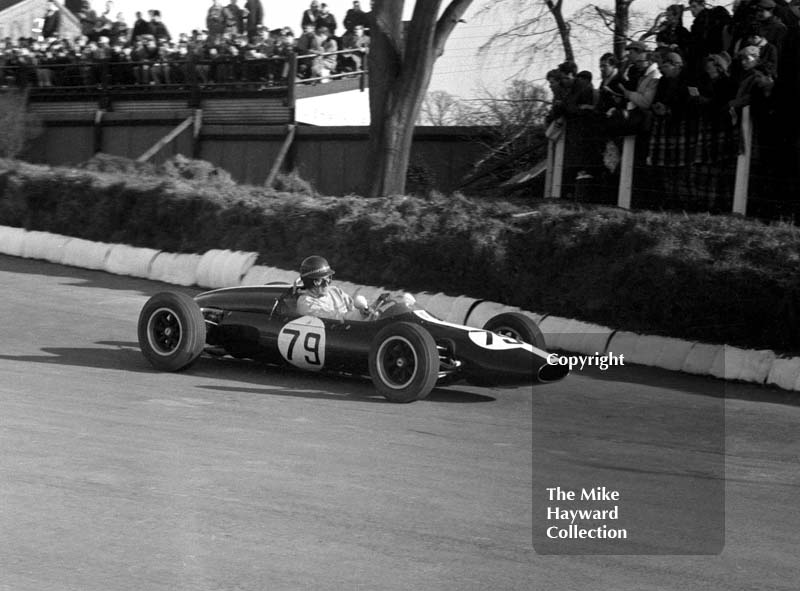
(447, 22)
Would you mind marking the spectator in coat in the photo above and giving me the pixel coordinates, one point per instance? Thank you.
(87, 18)
(609, 91)
(715, 147)
(233, 16)
(141, 27)
(357, 40)
(326, 19)
(646, 73)
(355, 17)
(310, 15)
(119, 29)
(669, 148)
(306, 44)
(215, 22)
(324, 65)
(770, 27)
(672, 35)
(52, 21)
(160, 31)
(255, 18)
(708, 34)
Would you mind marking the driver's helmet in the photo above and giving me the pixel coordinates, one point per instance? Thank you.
(313, 269)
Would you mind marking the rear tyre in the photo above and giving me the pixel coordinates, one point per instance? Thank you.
(517, 326)
(404, 362)
(172, 331)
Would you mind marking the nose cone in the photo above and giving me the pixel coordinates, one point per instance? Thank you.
(552, 373)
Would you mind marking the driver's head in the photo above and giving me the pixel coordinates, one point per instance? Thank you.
(316, 273)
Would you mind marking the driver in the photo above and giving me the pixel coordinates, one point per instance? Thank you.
(323, 300)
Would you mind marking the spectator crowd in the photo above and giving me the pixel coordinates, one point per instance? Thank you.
(236, 46)
(681, 92)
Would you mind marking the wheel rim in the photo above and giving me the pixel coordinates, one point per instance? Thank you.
(164, 332)
(397, 362)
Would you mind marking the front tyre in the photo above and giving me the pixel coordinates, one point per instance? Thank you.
(404, 362)
(172, 331)
(517, 326)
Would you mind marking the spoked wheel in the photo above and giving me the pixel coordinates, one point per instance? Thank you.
(172, 331)
(404, 362)
(517, 326)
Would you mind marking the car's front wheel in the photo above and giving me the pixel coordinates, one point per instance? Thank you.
(172, 331)
(404, 362)
(517, 326)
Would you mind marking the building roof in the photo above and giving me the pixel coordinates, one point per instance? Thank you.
(8, 4)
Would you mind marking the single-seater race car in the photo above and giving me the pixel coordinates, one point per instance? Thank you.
(405, 350)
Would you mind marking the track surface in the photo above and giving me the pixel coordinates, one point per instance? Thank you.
(234, 476)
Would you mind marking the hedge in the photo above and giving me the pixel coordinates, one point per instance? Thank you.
(712, 278)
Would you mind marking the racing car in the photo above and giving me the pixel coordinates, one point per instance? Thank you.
(404, 349)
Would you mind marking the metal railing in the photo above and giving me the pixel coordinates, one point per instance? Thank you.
(166, 74)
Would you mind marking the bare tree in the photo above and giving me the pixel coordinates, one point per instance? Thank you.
(540, 23)
(439, 107)
(542, 28)
(514, 115)
(402, 56)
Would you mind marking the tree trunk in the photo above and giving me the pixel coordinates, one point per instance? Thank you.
(400, 67)
(556, 8)
(621, 22)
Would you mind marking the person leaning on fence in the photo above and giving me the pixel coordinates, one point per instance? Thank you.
(712, 171)
(639, 83)
(755, 89)
(669, 149)
(324, 64)
(358, 41)
(574, 103)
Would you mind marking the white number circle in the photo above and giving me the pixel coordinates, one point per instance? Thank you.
(302, 343)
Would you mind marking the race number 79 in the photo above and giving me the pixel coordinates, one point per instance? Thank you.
(302, 343)
(310, 344)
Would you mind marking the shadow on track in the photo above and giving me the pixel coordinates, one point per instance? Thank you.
(283, 381)
(77, 277)
(693, 384)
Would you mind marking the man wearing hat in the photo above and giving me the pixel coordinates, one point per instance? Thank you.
(642, 77)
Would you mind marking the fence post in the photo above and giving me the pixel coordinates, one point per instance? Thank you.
(553, 178)
(626, 172)
(742, 183)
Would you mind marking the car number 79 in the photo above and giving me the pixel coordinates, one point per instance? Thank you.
(302, 343)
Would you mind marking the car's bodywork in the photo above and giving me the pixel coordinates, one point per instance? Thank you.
(262, 323)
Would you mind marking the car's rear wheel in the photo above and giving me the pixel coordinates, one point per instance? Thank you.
(517, 326)
(172, 331)
(404, 362)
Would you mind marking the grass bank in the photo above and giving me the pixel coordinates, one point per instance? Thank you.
(711, 278)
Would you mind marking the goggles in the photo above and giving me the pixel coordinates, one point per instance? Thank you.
(323, 281)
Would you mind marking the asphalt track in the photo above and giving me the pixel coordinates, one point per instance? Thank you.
(234, 476)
